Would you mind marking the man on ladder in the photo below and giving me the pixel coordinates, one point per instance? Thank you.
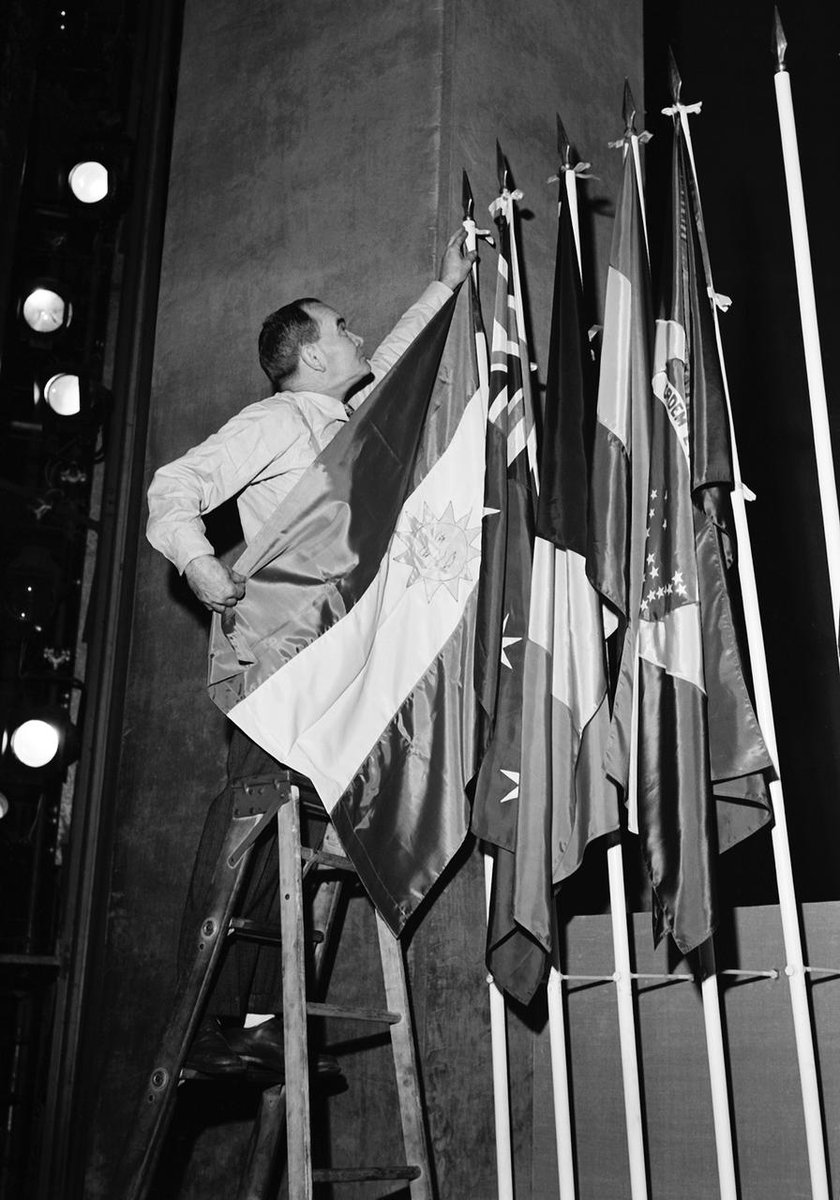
(317, 367)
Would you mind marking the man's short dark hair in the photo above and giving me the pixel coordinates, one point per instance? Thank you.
(281, 337)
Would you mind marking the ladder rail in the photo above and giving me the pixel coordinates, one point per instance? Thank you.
(257, 801)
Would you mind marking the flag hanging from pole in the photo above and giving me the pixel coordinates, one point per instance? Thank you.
(700, 751)
(504, 591)
(508, 542)
(565, 799)
(619, 474)
(347, 658)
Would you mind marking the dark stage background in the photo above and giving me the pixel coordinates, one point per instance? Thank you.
(724, 54)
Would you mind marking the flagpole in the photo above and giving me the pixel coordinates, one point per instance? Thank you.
(718, 1081)
(559, 1047)
(808, 316)
(498, 1021)
(471, 245)
(499, 1051)
(632, 140)
(527, 368)
(795, 968)
(627, 1036)
(633, 769)
(710, 996)
(627, 1032)
(558, 1034)
(717, 1073)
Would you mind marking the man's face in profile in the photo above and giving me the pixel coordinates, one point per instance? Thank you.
(340, 348)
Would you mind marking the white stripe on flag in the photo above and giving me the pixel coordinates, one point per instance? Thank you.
(518, 398)
(578, 671)
(565, 622)
(517, 440)
(498, 406)
(533, 457)
(323, 711)
(675, 644)
(614, 379)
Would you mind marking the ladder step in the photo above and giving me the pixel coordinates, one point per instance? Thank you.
(266, 933)
(323, 858)
(360, 1174)
(382, 1015)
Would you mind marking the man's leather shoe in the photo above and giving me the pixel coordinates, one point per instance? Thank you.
(211, 1053)
(261, 1048)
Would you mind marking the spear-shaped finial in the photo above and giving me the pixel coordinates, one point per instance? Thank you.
(502, 169)
(779, 41)
(467, 197)
(469, 211)
(629, 109)
(674, 77)
(564, 146)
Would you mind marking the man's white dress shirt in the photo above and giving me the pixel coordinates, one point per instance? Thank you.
(260, 454)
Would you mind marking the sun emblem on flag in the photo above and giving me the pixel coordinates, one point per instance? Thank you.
(439, 550)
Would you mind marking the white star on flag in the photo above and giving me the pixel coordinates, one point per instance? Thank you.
(507, 641)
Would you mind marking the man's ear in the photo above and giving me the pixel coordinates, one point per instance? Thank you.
(311, 356)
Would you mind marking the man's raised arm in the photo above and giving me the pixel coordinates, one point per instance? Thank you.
(455, 265)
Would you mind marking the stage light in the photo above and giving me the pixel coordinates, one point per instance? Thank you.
(42, 743)
(62, 393)
(89, 182)
(35, 743)
(45, 310)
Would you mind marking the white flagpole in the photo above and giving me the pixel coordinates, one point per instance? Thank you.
(558, 1034)
(633, 769)
(501, 1084)
(716, 1053)
(498, 1022)
(715, 1050)
(627, 1034)
(810, 329)
(559, 1045)
(795, 969)
(627, 1027)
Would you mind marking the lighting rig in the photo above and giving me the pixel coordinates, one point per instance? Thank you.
(64, 116)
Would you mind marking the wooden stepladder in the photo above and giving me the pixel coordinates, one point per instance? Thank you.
(285, 1107)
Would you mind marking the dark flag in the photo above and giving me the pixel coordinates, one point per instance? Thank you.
(565, 798)
(700, 751)
(348, 656)
(504, 587)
